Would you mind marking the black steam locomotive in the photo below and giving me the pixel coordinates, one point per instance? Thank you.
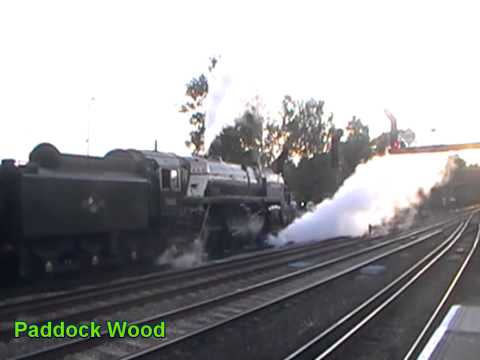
(61, 210)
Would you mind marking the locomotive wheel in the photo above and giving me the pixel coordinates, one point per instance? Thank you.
(216, 232)
(129, 251)
(90, 253)
(216, 244)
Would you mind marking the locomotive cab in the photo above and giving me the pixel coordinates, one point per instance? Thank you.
(170, 181)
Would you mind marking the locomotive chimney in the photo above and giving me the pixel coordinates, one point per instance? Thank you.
(155, 149)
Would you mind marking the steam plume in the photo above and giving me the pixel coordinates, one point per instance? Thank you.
(226, 97)
(232, 86)
(183, 257)
(219, 90)
(374, 195)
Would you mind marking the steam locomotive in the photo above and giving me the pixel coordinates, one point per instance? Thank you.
(61, 210)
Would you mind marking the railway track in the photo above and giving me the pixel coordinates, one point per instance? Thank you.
(29, 303)
(39, 302)
(352, 336)
(197, 318)
(421, 338)
(187, 345)
(94, 301)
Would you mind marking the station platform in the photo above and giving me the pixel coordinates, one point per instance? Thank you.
(457, 337)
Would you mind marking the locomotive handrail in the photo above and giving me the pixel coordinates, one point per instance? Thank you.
(191, 200)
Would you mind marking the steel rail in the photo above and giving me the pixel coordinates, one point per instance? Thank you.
(447, 245)
(444, 299)
(81, 343)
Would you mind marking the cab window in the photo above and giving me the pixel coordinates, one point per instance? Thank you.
(174, 180)
(166, 183)
(170, 179)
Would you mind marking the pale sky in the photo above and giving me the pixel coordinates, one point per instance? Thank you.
(419, 59)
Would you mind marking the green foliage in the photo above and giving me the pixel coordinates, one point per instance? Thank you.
(228, 146)
(302, 126)
(196, 93)
(241, 143)
(357, 147)
(273, 139)
(301, 130)
(460, 188)
(312, 179)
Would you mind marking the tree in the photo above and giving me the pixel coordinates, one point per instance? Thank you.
(196, 93)
(241, 143)
(356, 149)
(273, 141)
(228, 146)
(312, 179)
(300, 130)
(302, 122)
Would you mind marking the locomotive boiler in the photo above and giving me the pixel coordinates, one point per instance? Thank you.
(62, 211)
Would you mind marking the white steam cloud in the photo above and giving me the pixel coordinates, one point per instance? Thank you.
(225, 101)
(183, 257)
(373, 195)
(235, 83)
(218, 96)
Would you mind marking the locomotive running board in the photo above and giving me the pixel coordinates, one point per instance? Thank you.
(229, 200)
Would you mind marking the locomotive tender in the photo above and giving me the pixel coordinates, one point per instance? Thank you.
(63, 210)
